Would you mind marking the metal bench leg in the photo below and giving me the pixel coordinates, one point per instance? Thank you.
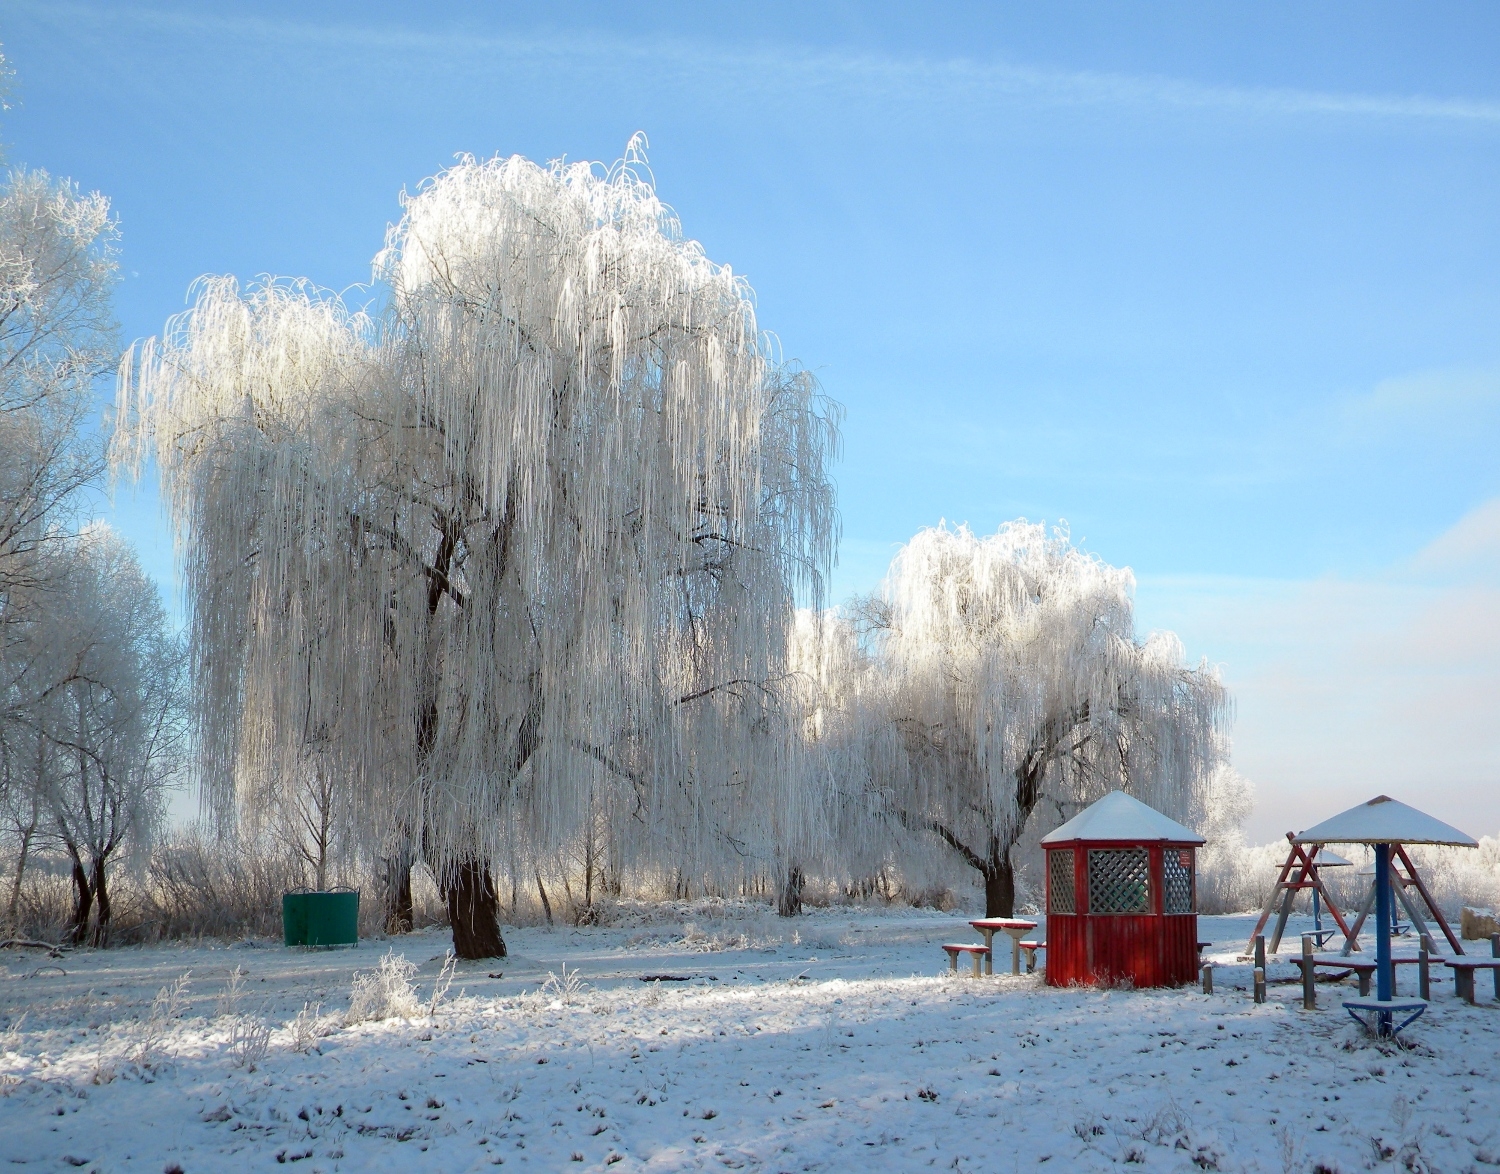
(953, 961)
(1364, 983)
(989, 958)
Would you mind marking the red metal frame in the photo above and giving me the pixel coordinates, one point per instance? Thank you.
(1307, 878)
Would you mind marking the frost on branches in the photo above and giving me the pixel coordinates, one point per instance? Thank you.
(993, 676)
(515, 559)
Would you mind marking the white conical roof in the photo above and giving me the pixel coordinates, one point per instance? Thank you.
(1327, 859)
(1384, 820)
(1119, 817)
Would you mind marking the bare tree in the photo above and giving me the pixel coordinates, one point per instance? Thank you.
(530, 544)
(305, 814)
(25, 760)
(111, 709)
(58, 264)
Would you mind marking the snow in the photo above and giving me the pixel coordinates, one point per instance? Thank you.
(1384, 820)
(1119, 816)
(831, 1042)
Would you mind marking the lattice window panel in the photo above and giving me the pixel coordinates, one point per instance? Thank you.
(1119, 880)
(1177, 880)
(1060, 881)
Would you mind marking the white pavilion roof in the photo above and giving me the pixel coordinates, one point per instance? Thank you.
(1384, 820)
(1327, 859)
(1118, 816)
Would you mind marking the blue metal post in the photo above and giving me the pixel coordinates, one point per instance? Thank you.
(1383, 977)
(1317, 920)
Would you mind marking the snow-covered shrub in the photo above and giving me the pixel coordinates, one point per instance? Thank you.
(563, 990)
(386, 993)
(442, 983)
(234, 990)
(1462, 876)
(307, 1028)
(249, 1041)
(1234, 877)
(151, 1033)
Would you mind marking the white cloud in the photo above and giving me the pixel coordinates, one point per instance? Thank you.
(1470, 549)
(780, 66)
(1347, 689)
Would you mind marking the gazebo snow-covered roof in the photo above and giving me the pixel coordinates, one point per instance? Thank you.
(1384, 820)
(1118, 816)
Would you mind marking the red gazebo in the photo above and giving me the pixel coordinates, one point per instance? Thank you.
(1122, 897)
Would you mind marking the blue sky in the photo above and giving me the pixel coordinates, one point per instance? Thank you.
(1219, 286)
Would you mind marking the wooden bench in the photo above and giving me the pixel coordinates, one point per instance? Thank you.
(980, 953)
(1463, 975)
(1029, 949)
(1364, 968)
(1382, 1014)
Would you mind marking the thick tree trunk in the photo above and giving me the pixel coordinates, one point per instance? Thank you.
(101, 899)
(474, 912)
(400, 914)
(1000, 887)
(83, 902)
(789, 898)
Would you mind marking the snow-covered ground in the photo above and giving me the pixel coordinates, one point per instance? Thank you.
(835, 1042)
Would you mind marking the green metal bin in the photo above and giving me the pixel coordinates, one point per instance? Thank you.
(321, 919)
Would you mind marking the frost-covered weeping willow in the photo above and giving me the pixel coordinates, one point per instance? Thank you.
(996, 675)
(519, 556)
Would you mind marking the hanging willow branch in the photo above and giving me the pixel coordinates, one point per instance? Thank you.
(507, 546)
(991, 674)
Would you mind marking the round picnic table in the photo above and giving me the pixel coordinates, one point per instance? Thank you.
(1014, 927)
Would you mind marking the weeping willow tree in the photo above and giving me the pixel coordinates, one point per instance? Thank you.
(514, 558)
(994, 675)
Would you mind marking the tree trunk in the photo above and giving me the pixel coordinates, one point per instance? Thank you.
(13, 914)
(101, 898)
(400, 914)
(320, 868)
(1000, 887)
(999, 878)
(474, 912)
(546, 904)
(588, 861)
(83, 902)
(789, 899)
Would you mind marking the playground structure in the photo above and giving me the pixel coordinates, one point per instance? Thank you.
(1299, 872)
(1388, 826)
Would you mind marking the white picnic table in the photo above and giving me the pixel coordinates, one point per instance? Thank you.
(1014, 927)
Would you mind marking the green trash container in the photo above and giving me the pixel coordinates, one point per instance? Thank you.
(321, 919)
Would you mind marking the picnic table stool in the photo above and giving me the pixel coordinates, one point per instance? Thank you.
(1463, 975)
(979, 952)
(1029, 948)
(1383, 1013)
